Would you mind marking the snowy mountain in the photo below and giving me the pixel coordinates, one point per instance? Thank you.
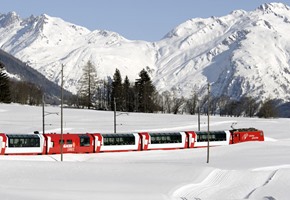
(20, 71)
(242, 53)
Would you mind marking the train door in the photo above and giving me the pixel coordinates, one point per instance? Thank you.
(2, 145)
(49, 145)
(1, 140)
(235, 137)
(98, 142)
(191, 139)
(139, 138)
(144, 140)
(83, 143)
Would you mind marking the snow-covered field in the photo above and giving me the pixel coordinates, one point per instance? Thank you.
(254, 170)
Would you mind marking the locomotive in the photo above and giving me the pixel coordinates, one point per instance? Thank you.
(50, 143)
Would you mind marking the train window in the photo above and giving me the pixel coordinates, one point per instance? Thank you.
(163, 138)
(69, 142)
(158, 139)
(112, 141)
(129, 140)
(23, 141)
(106, 141)
(118, 139)
(213, 136)
(84, 140)
(220, 136)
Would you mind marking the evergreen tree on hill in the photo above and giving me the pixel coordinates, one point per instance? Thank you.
(117, 91)
(5, 96)
(146, 91)
(129, 96)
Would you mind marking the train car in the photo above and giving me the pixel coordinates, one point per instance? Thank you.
(117, 142)
(22, 144)
(159, 141)
(72, 143)
(216, 138)
(245, 135)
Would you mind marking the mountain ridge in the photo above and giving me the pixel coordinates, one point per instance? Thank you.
(240, 54)
(18, 70)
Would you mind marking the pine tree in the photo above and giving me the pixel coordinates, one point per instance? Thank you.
(25, 93)
(88, 85)
(5, 96)
(117, 91)
(145, 90)
(128, 92)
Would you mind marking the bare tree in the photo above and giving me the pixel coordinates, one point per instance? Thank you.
(191, 104)
(268, 109)
(250, 106)
(87, 85)
(177, 104)
(167, 101)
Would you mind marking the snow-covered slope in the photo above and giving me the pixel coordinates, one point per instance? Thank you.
(250, 170)
(243, 53)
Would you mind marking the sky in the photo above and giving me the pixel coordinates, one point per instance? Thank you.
(147, 20)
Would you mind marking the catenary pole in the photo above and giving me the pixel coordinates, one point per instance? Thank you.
(208, 112)
(43, 123)
(61, 117)
(198, 117)
(115, 116)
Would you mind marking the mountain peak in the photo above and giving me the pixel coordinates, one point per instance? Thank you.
(273, 7)
(9, 18)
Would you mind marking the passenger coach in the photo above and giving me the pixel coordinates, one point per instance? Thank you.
(117, 142)
(170, 140)
(17, 144)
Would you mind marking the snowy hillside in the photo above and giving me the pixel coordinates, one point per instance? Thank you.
(243, 53)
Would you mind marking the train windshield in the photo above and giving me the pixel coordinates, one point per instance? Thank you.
(23, 141)
(157, 138)
(118, 139)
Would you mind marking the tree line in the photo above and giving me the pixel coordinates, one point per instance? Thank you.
(141, 96)
(116, 93)
(138, 96)
(18, 91)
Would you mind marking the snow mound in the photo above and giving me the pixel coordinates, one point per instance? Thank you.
(234, 184)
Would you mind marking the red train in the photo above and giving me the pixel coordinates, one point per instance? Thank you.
(30, 144)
